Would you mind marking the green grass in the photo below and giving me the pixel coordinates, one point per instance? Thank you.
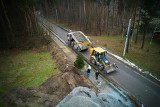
(24, 69)
(147, 58)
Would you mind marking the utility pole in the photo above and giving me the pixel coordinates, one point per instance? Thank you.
(127, 38)
(84, 6)
(56, 15)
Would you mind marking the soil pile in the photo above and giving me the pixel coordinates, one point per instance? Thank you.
(54, 89)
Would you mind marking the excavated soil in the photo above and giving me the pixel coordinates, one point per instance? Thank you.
(51, 92)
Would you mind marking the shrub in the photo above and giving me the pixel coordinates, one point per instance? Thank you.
(79, 63)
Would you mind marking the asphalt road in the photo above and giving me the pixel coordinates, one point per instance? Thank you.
(142, 88)
(145, 90)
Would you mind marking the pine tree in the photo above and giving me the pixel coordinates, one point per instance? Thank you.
(79, 63)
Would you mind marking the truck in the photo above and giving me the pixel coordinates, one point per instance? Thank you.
(97, 55)
(78, 40)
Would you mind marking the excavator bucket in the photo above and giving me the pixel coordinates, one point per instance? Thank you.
(111, 68)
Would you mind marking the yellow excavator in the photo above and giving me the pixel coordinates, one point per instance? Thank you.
(98, 57)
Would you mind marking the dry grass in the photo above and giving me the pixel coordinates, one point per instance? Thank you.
(147, 58)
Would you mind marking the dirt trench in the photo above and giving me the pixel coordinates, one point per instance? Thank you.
(53, 90)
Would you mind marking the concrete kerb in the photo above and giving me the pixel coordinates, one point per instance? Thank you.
(109, 82)
(114, 87)
(121, 91)
(68, 30)
(57, 44)
(85, 61)
(136, 69)
(89, 79)
(140, 72)
(69, 58)
(56, 35)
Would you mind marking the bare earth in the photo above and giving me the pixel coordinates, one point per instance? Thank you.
(54, 89)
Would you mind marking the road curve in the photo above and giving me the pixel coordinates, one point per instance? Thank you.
(145, 90)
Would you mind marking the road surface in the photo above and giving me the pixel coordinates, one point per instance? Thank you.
(145, 90)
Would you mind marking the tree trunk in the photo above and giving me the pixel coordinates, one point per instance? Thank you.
(107, 19)
(104, 19)
(26, 19)
(144, 34)
(80, 18)
(30, 24)
(100, 21)
(6, 30)
(113, 15)
(8, 21)
(136, 39)
(84, 6)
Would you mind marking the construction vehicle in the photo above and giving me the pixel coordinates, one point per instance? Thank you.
(78, 40)
(98, 57)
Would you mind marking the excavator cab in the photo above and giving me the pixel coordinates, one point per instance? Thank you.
(98, 57)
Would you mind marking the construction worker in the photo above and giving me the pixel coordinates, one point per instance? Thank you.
(71, 41)
(68, 37)
(88, 71)
(66, 68)
(96, 74)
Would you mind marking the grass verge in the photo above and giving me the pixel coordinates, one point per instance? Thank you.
(146, 58)
(28, 68)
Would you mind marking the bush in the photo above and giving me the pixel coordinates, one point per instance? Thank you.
(79, 63)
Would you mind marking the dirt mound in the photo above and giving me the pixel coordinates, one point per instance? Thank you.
(55, 88)
(62, 83)
(59, 56)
